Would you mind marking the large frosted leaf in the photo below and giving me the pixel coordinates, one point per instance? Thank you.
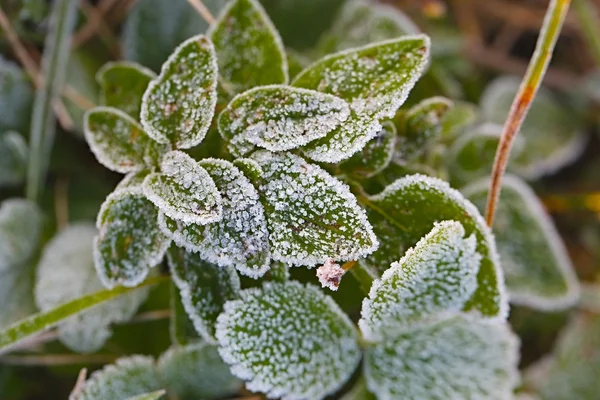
(13, 158)
(536, 265)
(436, 276)
(240, 239)
(456, 358)
(204, 288)
(289, 341)
(179, 105)
(66, 272)
(312, 217)
(129, 241)
(122, 86)
(280, 118)
(119, 142)
(375, 156)
(16, 97)
(250, 51)
(149, 396)
(408, 208)
(183, 190)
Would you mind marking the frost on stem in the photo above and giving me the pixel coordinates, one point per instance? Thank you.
(288, 340)
(330, 275)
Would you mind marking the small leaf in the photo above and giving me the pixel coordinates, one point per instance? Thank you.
(183, 190)
(240, 238)
(119, 142)
(13, 158)
(288, 340)
(408, 208)
(536, 265)
(133, 180)
(178, 106)
(66, 272)
(149, 396)
(204, 288)
(312, 217)
(453, 358)
(280, 118)
(436, 276)
(457, 119)
(250, 51)
(122, 86)
(129, 241)
(375, 156)
(16, 97)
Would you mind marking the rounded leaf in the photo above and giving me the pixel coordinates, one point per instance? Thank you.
(13, 158)
(375, 156)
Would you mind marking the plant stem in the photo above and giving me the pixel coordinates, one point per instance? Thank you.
(555, 16)
(588, 19)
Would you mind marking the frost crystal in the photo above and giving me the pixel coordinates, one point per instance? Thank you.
(288, 340)
(240, 238)
(455, 358)
(129, 241)
(438, 275)
(183, 190)
(312, 217)
(204, 288)
(66, 272)
(280, 118)
(133, 180)
(178, 106)
(330, 275)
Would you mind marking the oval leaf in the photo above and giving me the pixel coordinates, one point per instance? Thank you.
(375, 156)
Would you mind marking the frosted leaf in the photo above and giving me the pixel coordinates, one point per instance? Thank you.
(183, 190)
(196, 371)
(16, 97)
(407, 209)
(13, 158)
(240, 239)
(122, 85)
(250, 51)
(438, 275)
(127, 377)
(375, 156)
(288, 340)
(204, 288)
(66, 272)
(118, 141)
(312, 217)
(553, 136)
(455, 358)
(279, 271)
(133, 179)
(179, 105)
(536, 265)
(181, 327)
(458, 118)
(280, 118)
(149, 396)
(250, 168)
(129, 241)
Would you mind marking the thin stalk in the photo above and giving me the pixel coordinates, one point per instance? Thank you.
(588, 20)
(553, 22)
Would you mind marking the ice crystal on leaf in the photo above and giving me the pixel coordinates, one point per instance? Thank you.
(178, 106)
(183, 190)
(438, 275)
(129, 241)
(375, 156)
(289, 341)
(279, 117)
(133, 180)
(312, 217)
(330, 275)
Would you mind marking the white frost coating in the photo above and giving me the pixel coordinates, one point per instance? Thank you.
(178, 106)
(133, 180)
(184, 190)
(240, 239)
(455, 358)
(438, 275)
(66, 272)
(288, 340)
(122, 64)
(312, 217)
(330, 275)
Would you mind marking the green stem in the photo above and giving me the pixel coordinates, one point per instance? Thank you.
(588, 18)
(555, 16)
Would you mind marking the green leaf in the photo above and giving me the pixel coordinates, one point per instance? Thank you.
(16, 97)
(375, 156)
(129, 241)
(250, 51)
(408, 208)
(196, 371)
(536, 264)
(181, 327)
(119, 142)
(204, 288)
(436, 276)
(288, 340)
(122, 86)
(184, 190)
(240, 239)
(13, 158)
(133, 180)
(359, 392)
(149, 396)
(66, 272)
(279, 118)
(312, 217)
(178, 106)
(457, 119)
(457, 357)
